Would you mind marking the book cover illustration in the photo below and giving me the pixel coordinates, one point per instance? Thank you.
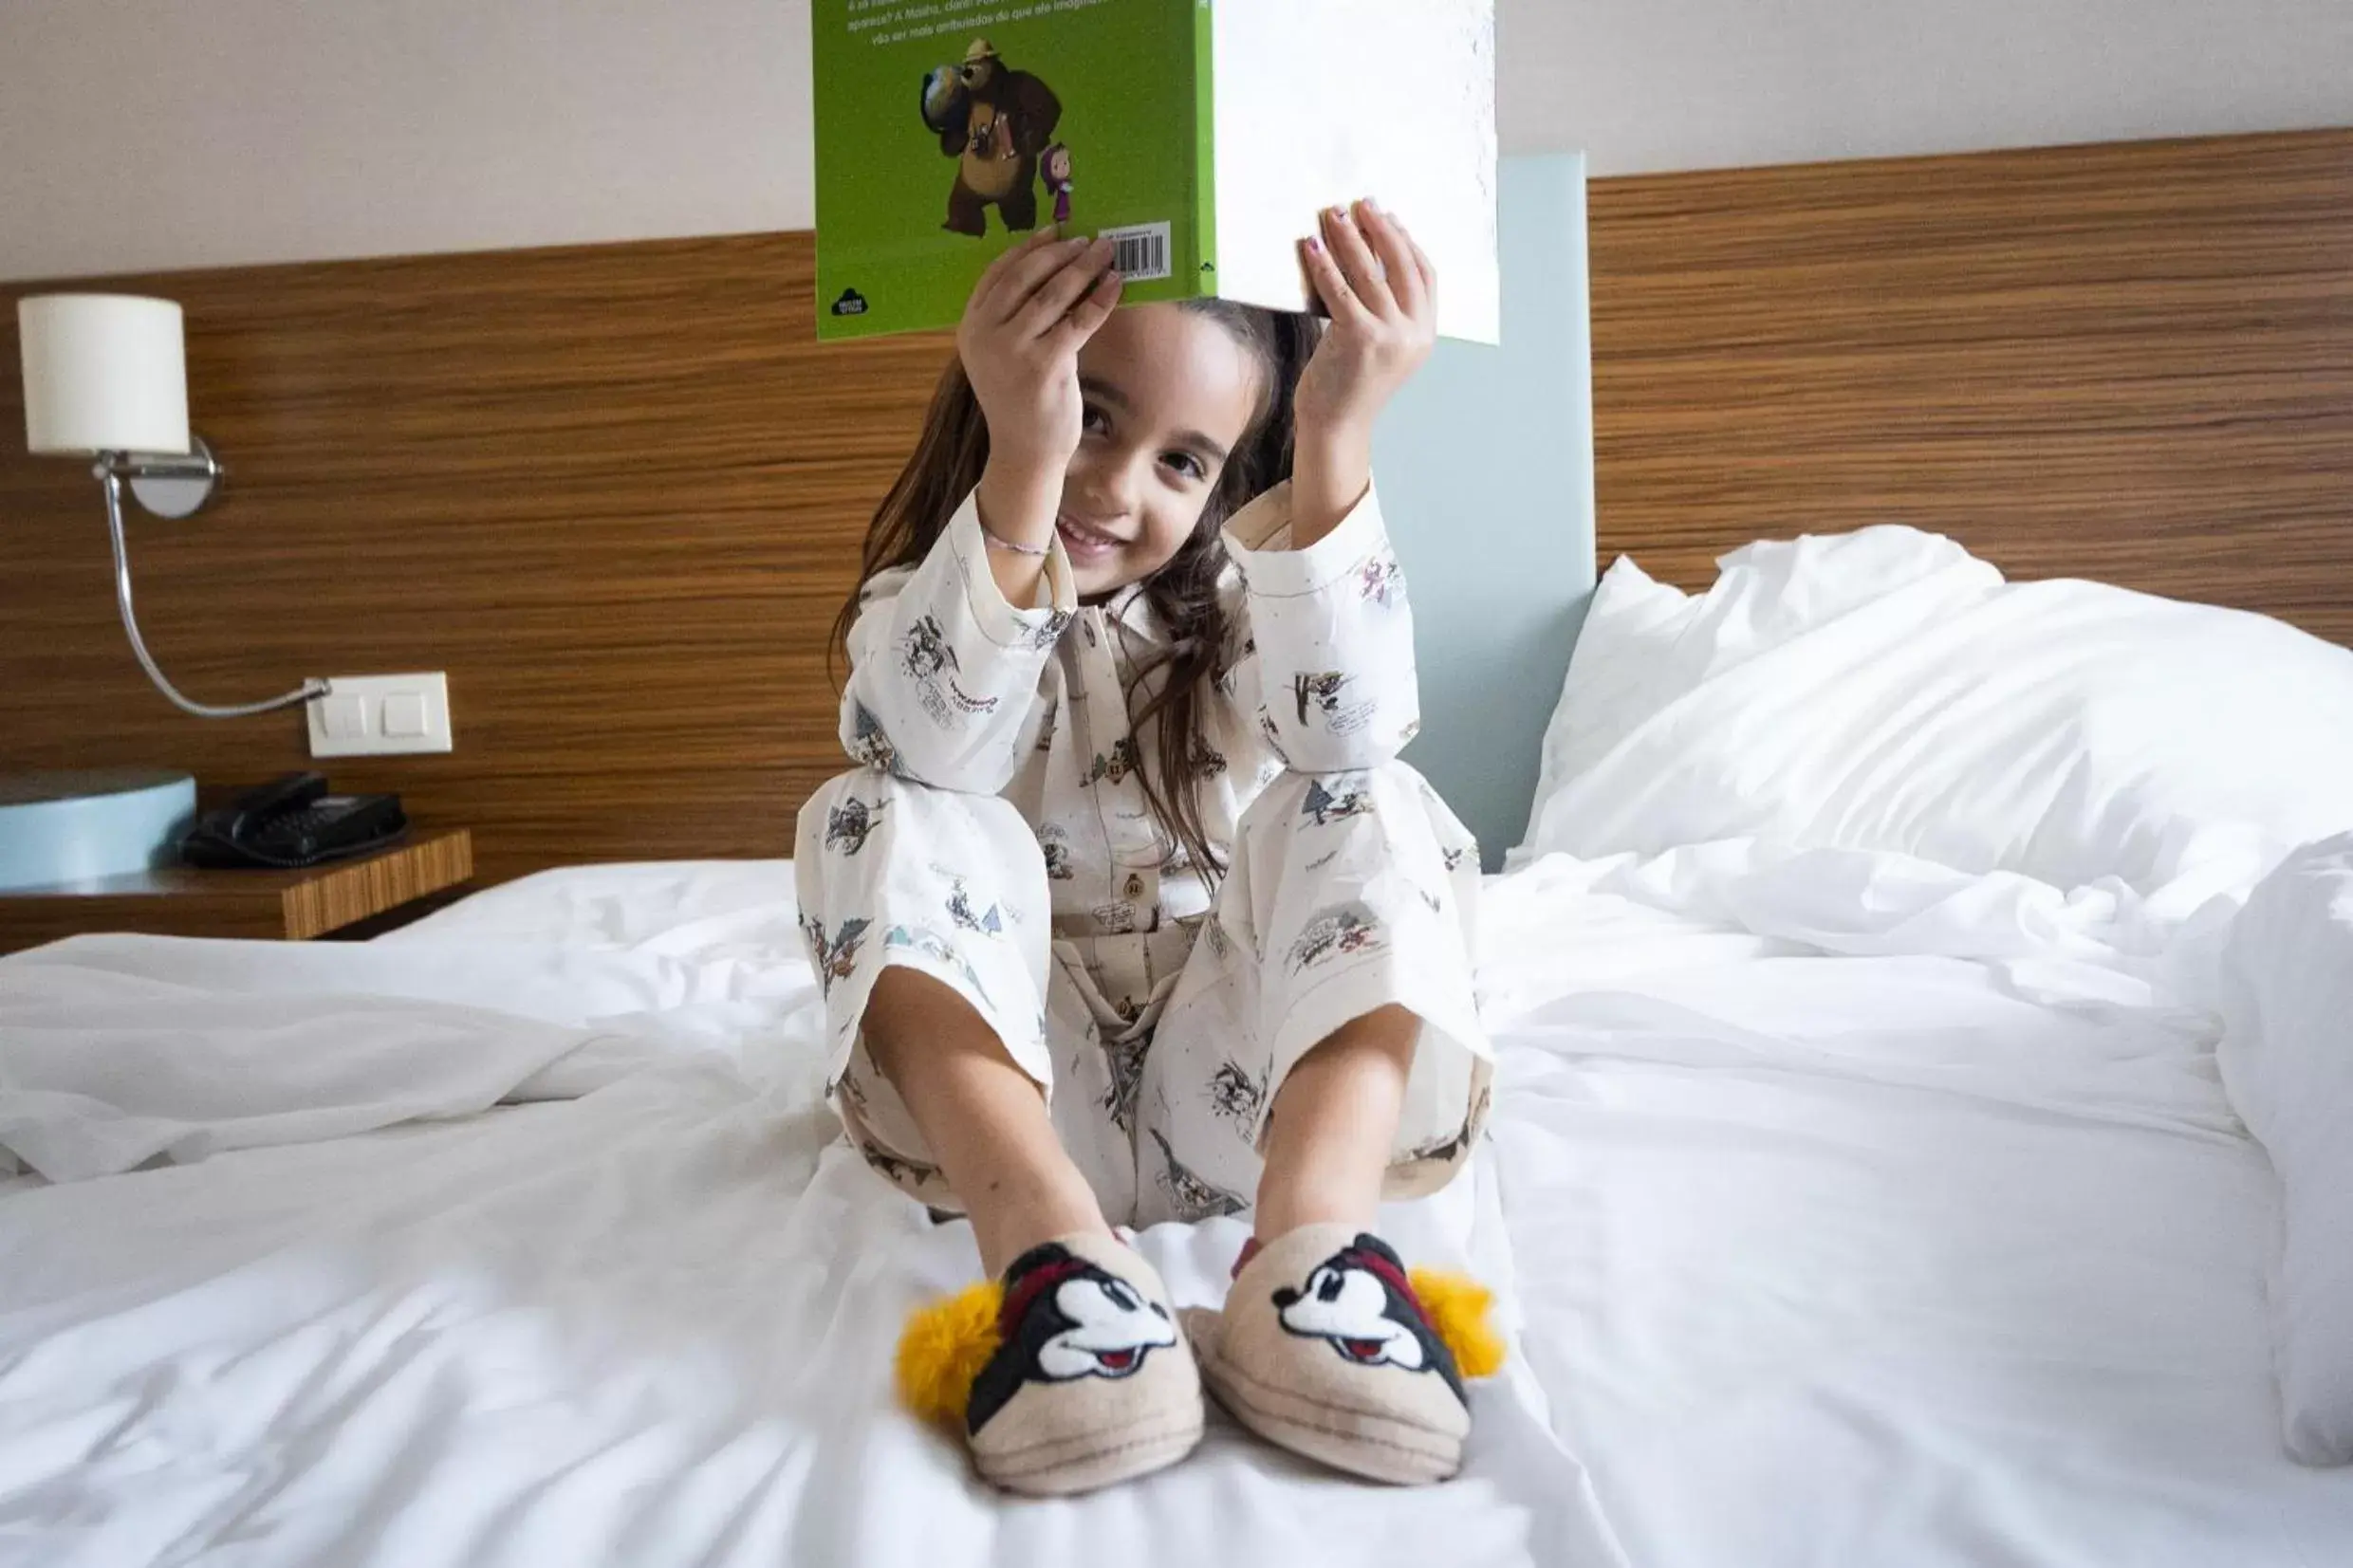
(948, 130)
(995, 122)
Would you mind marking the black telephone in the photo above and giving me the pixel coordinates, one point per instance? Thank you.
(293, 822)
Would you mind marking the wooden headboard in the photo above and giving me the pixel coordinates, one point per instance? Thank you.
(616, 492)
(2131, 363)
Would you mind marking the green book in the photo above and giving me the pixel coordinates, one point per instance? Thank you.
(1200, 135)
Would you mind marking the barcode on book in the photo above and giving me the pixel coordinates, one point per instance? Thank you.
(1140, 252)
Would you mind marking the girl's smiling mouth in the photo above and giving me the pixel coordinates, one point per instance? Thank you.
(1083, 542)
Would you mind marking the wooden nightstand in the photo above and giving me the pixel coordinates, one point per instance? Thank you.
(292, 905)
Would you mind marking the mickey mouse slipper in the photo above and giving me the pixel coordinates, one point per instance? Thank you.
(1067, 1375)
(1329, 1348)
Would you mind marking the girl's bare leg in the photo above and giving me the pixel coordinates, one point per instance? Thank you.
(983, 1116)
(1334, 1120)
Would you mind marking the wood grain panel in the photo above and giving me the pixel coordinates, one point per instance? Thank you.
(343, 895)
(263, 905)
(2132, 362)
(616, 492)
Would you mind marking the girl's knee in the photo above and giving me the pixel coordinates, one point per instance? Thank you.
(841, 814)
(1391, 802)
(869, 813)
(907, 1009)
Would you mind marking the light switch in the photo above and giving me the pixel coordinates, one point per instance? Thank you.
(342, 718)
(404, 716)
(410, 714)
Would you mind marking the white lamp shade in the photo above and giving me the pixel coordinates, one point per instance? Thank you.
(102, 373)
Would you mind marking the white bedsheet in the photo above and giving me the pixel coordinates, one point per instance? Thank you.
(1850, 1212)
(647, 1324)
(1930, 1240)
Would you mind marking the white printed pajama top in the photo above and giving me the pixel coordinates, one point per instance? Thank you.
(998, 839)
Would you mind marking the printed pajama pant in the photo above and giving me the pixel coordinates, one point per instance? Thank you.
(1161, 1050)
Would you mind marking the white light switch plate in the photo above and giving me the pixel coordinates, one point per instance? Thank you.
(381, 716)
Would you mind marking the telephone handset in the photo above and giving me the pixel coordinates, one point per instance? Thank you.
(293, 822)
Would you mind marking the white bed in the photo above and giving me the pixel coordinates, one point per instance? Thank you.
(1864, 1248)
(1845, 1205)
(645, 1323)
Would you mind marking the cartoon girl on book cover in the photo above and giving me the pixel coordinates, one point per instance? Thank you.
(1055, 166)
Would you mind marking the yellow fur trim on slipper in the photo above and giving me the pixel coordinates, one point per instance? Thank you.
(1457, 1307)
(943, 1348)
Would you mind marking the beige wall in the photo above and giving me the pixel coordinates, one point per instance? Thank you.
(139, 134)
(1648, 85)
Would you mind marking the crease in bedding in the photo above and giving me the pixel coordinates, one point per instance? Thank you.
(1842, 1208)
(644, 1318)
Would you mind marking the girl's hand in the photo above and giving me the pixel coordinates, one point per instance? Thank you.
(1019, 341)
(1381, 295)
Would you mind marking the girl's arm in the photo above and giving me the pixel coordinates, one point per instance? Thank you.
(944, 669)
(1326, 639)
(1030, 313)
(1381, 294)
(945, 657)
(1323, 638)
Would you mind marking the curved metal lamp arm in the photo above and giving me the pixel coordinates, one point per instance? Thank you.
(111, 470)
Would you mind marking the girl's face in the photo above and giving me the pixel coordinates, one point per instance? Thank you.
(1170, 393)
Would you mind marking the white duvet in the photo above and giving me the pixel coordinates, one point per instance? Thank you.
(1846, 1209)
(649, 1323)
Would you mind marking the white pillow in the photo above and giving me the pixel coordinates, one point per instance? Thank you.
(1886, 690)
(2287, 1059)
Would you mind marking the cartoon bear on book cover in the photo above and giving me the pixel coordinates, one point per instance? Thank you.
(995, 122)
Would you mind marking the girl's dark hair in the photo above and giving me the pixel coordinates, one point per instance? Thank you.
(947, 464)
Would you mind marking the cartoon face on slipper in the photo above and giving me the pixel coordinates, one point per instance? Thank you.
(1112, 1326)
(1349, 1307)
(1358, 1301)
(1066, 1318)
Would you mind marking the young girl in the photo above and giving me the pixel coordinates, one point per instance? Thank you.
(1132, 913)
